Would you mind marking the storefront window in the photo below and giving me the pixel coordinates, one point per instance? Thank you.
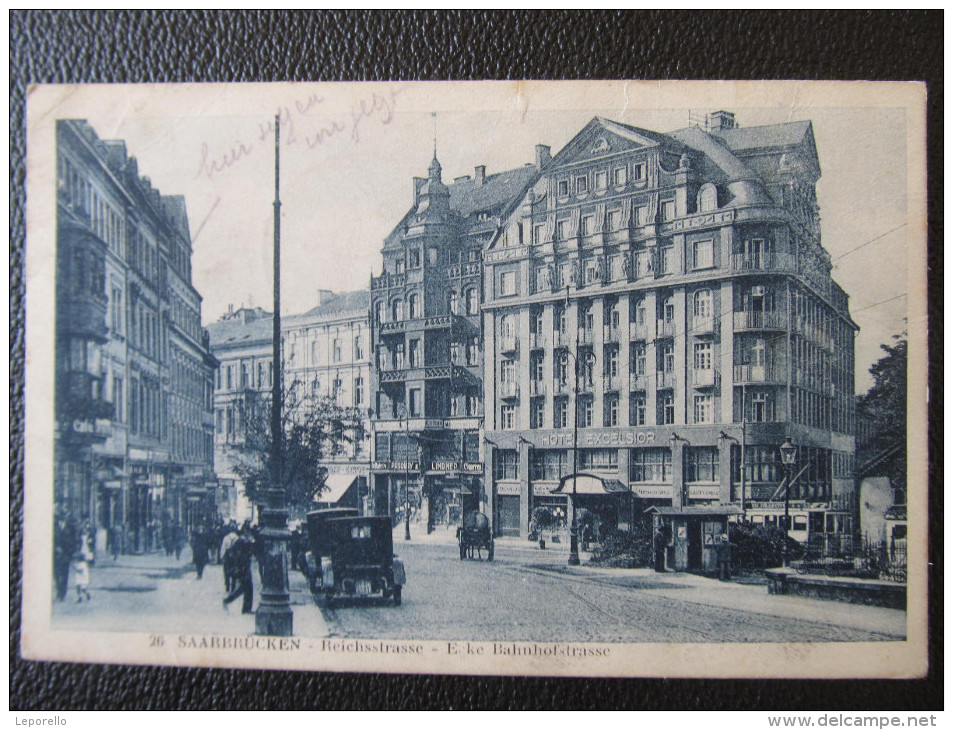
(650, 465)
(599, 459)
(701, 464)
(507, 464)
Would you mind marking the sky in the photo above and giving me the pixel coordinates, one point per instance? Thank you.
(349, 153)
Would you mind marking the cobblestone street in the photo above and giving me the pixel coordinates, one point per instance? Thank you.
(525, 594)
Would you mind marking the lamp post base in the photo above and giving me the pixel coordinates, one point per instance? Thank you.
(274, 616)
(573, 546)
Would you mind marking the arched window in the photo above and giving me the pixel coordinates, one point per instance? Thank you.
(707, 198)
(508, 326)
(473, 302)
(396, 310)
(413, 306)
(454, 303)
(702, 303)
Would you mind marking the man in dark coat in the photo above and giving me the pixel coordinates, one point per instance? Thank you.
(65, 544)
(200, 546)
(239, 560)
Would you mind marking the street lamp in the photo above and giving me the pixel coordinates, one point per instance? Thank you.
(788, 456)
(274, 616)
(574, 525)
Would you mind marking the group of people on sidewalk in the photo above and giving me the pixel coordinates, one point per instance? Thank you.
(211, 541)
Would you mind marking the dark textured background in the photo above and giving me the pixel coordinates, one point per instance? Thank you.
(81, 46)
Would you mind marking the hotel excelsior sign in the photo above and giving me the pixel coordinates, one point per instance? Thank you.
(601, 438)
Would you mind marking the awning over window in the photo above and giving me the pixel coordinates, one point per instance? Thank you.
(589, 484)
(335, 487)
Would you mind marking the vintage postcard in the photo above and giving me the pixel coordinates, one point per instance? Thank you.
(511, 378)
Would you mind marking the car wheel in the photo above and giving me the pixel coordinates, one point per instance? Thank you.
(397, 595)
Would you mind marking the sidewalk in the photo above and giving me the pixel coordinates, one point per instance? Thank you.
(754, 598)
(158, 594)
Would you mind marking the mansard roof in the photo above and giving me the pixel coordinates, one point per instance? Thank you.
(174, 206)
(468, 196)
(344, 302)
(236, 331)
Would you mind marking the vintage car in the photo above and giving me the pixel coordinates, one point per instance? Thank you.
(319, 541)
(474, 536)
(360, 560)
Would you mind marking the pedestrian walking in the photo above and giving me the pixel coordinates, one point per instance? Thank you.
(178, 540)
(240, 556)
(117, 540)
(723, 553)
(81, 562)
(228, 570)
(659, 546)
(65, 544)
(200, 547)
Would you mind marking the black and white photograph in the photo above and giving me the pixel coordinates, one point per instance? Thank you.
(515, 378)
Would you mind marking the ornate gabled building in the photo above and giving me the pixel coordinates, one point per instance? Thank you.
(425, 321)
(684, 274)
(133, 368)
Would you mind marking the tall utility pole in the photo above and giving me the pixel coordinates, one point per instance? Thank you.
(274, 616)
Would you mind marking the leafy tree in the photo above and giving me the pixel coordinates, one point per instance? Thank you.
(315, 428)
(885, 407)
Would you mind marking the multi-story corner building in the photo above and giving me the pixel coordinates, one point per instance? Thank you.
(133, 369)
(326, 353)
(425, 319)
(684, 273)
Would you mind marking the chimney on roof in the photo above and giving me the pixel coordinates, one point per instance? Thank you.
(543, 156)
(479, 174)
(325, 296)
(721, 120)
(231, 309)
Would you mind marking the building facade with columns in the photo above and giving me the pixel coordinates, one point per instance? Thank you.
(684, 275)
(133, 367)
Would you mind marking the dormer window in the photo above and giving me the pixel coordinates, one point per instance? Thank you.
(602, 180)
(638, 172)
(582, 185)
(562, 188)
(618, 176)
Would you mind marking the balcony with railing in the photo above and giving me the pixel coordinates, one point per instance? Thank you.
(509, 390)
(665, 380)
(610, 333)
(611, 383)
(536, 341)
(744, 374)
(637, 381)
(392, 328)
(638, 331)
(537, 387)
(760, 321)
(770, 262)
(704, 378)
(388, 281)
(561, 387)
(509, 344)
(704, 325)
(585, 336)
(666, 328)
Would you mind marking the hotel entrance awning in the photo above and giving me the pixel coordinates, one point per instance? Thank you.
(589, 484)
(336, 486)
